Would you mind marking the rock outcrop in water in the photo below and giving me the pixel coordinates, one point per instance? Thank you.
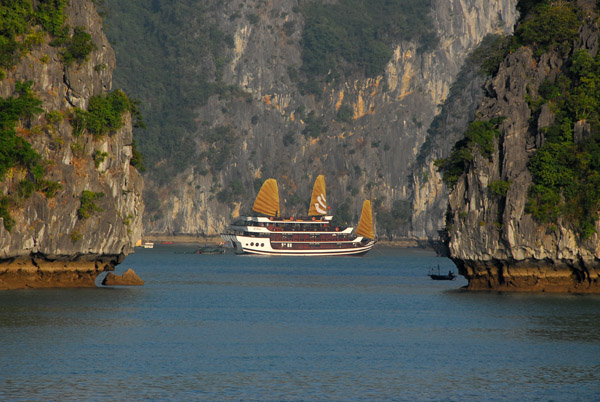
(57, 241)
(129, 278)
(494, 240)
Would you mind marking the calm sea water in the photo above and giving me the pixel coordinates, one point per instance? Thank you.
(230, 327)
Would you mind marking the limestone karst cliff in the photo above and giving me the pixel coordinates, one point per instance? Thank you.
(91, 219)
(253, 128)
(517, 219)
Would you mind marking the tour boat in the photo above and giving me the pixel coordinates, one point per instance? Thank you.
(315, 235)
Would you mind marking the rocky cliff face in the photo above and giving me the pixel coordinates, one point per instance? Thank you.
(493, 240)
(49, 244)
(372, 155)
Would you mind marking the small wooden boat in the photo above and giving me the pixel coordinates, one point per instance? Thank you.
(441, 277)
(448, 277)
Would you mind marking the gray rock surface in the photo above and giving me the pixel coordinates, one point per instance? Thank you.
(373, 154)
(48, 234)
(494, 242)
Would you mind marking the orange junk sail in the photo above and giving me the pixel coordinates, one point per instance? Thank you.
(267, 200)
(365, 225)
(318, 201)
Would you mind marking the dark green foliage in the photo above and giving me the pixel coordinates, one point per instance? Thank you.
(137, 159)
(313, 125)
(231, 194)
(104, 114)
(401, 210)
(480, 135)
(548, 26)
(524, 6)
(566, 170)
(220, 141)
(50, 15)
(253, 18)
(99, 157)
(54, 117)
(48, 187)
(152, 203)
(8, 221)
(136, 113)
(351, 36)
(289, 27)
(171, 73)
(14, 22)
(390, 220)
(88, 204)
(15, 150)
(345, 113)
(257, 184)
(300, 203)
(490, 53)
(342, 215)
(18, 17)
(499, 187)
(25, 188)
(75, 236)
(78, 47)
(289, 139)
(78, 121)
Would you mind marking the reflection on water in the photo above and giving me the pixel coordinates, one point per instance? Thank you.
(235, 328)
(574, 328)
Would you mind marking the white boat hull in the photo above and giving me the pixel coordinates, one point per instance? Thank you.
(262, 246)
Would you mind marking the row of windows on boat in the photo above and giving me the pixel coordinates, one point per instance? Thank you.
(302, 237)
(303, 245)
(295, 227)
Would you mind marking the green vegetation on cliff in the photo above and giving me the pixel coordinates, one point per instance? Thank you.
(15, 151)
(390, 220)
(548, 25)
(350, 36)
(88, 204)
(18, 19)
(480, 135)
(104, 114)
(78, 47)
(566, 169)
(171, 56)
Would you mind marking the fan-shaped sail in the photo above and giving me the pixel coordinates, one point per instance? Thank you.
(318, 201)
(267, 200)
(365, 225)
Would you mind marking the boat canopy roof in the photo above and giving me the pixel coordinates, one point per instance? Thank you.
(266, 220)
